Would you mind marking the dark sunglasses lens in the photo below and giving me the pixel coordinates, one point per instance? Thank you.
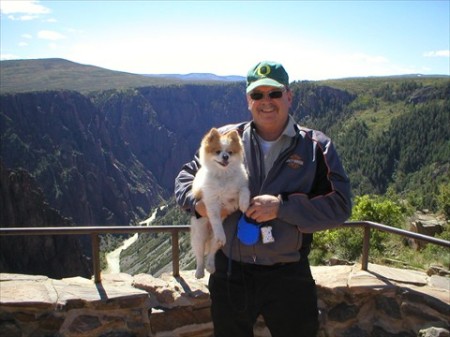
(256, 96)
(275, 94)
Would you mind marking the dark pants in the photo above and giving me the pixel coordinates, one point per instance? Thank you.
(285, 295)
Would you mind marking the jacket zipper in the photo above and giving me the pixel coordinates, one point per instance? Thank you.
(277, 164)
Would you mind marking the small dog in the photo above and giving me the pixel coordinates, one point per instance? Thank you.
(221, 183)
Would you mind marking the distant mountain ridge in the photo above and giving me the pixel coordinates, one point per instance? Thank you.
(200, 77)
(61, 74)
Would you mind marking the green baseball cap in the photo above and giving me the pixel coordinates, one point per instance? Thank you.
(267, 73)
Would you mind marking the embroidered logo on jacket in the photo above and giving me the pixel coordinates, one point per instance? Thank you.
(294, 161)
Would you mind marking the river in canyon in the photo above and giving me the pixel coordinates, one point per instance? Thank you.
(113, 257)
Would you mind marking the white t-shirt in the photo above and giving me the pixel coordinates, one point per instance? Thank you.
(272, 149)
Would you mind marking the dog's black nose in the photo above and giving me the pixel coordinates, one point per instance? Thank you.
(225, 157)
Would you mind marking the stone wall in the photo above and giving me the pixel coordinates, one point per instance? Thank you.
(381, 302)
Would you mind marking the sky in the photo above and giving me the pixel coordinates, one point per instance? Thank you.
(314, 40)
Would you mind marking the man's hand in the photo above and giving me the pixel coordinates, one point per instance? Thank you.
(263, 208)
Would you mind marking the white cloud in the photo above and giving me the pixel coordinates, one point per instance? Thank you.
(22, 17)
(53, 46)
(22, 10)
(437, 53)
(50, 35)
(23, 44)
(27, 36)
(22, 7)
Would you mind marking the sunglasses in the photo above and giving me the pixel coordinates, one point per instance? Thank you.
(256, 96)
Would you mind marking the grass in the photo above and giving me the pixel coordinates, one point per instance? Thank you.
(379, 118)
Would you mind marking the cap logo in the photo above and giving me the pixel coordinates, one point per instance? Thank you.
(263, 70)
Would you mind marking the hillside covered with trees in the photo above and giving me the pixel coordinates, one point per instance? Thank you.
(105, 155)
(396, 134)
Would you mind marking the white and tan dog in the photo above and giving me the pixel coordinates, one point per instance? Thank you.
(221, 183)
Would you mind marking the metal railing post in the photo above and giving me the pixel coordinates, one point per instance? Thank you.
(175, 254)
(95, 241)
(96, 231)
(366, 247)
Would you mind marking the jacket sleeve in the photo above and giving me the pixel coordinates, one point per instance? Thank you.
(183, 186)
(328, 204)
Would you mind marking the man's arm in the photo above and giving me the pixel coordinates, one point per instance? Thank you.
(329, 202)
(183, 186)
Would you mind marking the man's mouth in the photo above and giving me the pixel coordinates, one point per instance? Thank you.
(267, 110)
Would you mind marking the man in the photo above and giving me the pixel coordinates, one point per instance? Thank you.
(298, 186)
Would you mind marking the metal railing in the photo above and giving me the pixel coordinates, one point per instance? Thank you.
(94, 232)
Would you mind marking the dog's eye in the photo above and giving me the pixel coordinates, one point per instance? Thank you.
(230, 152)
(217, 152)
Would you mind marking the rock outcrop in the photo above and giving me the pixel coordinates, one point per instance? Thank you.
(22, 204)
(383, 301)
(426, 224)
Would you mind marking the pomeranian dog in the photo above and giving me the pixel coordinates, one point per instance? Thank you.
(221, 183)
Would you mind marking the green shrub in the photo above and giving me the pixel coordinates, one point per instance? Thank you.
(347, 243)
(443, 199)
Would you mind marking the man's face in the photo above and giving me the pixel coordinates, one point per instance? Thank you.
(269, 107)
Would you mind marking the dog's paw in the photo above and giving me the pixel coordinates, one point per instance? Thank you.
(199, 273)
(221, 239)
(210, 264)
(243, 205)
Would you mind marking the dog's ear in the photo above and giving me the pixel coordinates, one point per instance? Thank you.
(214, 131)
(212, 134)
(211, 137)
(234, 136)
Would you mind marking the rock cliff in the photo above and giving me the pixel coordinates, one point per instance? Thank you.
(63, 140)
(23, 205)
(110, 157)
